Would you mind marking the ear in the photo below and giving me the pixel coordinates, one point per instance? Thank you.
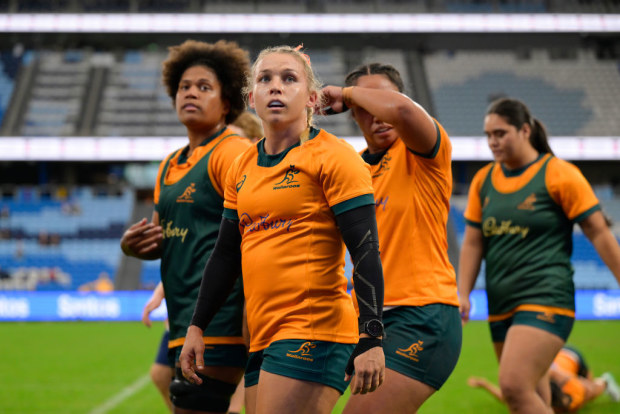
(251, 100)
(312, 99)
(526, 129)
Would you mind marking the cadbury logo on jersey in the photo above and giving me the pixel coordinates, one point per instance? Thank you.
(289, 180)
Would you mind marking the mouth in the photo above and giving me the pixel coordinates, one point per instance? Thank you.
(275, 104)
(189, 107)
(382, 129)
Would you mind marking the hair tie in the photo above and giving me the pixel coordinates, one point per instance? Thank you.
(305, 56)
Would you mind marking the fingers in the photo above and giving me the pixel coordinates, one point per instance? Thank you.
(188, 369)
(145, 318)
(369, 371)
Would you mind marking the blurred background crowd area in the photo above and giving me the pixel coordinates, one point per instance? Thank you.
(61, 222)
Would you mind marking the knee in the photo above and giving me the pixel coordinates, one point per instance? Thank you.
(161, 375)
(513, 389)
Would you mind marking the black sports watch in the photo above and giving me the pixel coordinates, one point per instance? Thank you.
(373, 327)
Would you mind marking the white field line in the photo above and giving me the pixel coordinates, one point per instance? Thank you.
(125, 393)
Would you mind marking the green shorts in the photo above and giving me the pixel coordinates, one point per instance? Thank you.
(423, 342)
(233, 355)
(315, 361)
(560, 325)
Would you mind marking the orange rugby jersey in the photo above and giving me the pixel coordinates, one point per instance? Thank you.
(412, 199)
(292, 251)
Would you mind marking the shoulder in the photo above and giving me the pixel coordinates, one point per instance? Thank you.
(325, 142)
(562, 171)
(482, 173)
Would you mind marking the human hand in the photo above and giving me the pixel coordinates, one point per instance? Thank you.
(193, 351)
(141, 238)
(476, 382)
(464, 308)
(369, 362)
(331, 101)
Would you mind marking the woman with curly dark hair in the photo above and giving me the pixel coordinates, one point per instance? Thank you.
(205, 83)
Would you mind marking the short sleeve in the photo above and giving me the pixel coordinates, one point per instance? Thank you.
(232, 185)
(157, 189)
(438, 163)
(222, 158)
(570, 189)
(343, 173)
(473, 212)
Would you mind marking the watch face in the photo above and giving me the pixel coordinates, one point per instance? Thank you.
(374, 328)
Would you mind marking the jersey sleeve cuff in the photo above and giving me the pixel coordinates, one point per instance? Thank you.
(473, 224)
(355, 202)
(230, 214)
(586, 213)
(435, 149)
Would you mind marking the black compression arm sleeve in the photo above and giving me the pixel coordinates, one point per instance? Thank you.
(359, 231)
(220, 273)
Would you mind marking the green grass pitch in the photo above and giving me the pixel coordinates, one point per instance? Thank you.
(100, 368)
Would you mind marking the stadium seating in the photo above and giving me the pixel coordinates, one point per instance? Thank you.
(572, 97)
(65, 242)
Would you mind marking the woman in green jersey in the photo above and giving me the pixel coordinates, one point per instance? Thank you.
(520, 215)
(205, 84)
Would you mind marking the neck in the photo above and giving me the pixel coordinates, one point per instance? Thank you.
(530, 155)
(197, 136)
(279, 139)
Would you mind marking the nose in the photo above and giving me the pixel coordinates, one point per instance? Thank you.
(275, 86)
(191, 91)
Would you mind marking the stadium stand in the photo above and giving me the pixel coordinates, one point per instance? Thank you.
(574, 96)
(61, 240)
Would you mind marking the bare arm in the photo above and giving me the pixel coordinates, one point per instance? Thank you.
(153, 303)
(603, 240)
(469, 266)
(412, 123)
(479, 382)
(143, 239)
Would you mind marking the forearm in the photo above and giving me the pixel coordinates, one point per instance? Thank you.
(469, 260)
(413, 124)
(359, 232)
(220, 274)
(469, 267)
(607, 247)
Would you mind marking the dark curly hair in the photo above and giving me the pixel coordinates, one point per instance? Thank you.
(229, 62)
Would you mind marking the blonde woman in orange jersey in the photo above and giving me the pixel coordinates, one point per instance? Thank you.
(290, 201)
(410, 158)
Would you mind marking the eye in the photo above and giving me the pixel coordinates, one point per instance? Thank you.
(264, 78)
(290, 78)
(204, 88)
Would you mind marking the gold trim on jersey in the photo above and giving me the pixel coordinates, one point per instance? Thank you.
(549, 311)
(210, 340)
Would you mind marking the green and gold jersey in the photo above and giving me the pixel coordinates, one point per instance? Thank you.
(188, 198)
(526, 218)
